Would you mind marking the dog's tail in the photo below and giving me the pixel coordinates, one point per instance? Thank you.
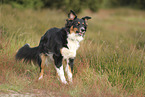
(28, 54)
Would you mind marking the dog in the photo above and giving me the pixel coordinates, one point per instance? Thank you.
(57, 44)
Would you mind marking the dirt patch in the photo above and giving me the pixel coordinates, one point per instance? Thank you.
(35, 93)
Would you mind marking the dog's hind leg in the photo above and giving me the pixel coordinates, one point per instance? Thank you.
(42, 65)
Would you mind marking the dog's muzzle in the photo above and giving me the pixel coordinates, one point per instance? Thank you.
(82, 31)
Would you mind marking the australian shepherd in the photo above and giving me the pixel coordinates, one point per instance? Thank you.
(57, 44)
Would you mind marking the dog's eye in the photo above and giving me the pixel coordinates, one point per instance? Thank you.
(78, 24)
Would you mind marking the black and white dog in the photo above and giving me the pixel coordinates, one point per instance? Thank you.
(57, 44)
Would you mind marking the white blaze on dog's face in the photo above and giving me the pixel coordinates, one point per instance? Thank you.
(77, 26)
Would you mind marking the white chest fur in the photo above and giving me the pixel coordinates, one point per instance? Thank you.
(73, 45)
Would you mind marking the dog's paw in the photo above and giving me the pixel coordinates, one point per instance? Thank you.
(65, 82)
(40, 77)
(70, 81)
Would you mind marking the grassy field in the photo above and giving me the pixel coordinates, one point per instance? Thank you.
(109, 63)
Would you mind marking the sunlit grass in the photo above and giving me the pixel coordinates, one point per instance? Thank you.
(109, 62)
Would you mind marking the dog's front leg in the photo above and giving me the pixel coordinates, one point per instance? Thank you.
(59, 68)
(69, 68)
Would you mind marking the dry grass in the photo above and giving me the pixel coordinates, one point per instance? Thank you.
(110, 61)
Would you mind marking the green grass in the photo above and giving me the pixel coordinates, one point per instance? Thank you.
(109, 62)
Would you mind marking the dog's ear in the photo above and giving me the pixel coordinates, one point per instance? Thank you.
(86, 18)
(72, 15)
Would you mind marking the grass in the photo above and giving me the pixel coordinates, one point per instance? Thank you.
(109, 62)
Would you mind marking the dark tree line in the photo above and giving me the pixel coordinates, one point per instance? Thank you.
(76, 5)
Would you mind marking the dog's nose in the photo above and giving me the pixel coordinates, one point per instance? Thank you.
(82, 29)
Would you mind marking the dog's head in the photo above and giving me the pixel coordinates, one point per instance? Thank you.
(76, 25)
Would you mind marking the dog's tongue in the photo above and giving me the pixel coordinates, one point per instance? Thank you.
(80, 33)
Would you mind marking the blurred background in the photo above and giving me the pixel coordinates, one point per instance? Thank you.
(76, 5)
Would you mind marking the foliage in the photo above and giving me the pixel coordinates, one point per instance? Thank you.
(139, 4)
(76, 5)
(25, 3)
(66, 5)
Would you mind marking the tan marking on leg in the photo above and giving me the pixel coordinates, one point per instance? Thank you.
(69, 69)
(43, 58)
(69, 72)
(61, 51)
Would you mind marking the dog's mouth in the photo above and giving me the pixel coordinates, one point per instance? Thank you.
(80, 33)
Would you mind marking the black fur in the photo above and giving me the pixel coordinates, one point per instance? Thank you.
(27, 53)
(71, 62)
(53, 41)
